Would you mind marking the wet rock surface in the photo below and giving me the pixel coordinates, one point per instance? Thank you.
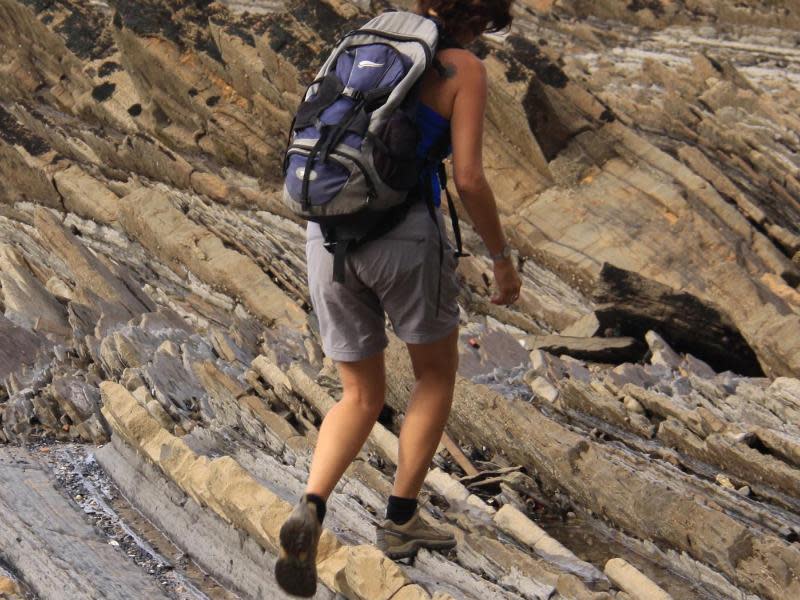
(628, 428)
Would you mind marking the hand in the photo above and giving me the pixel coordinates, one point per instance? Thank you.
(507, 282)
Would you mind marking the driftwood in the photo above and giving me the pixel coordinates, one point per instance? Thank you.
(458, 455)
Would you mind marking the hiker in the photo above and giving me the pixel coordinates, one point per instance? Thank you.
(407, 272)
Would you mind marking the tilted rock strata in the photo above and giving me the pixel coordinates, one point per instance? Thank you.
(236, 497)
(689, 154)
(143, 242)
(184, 113)
(660, 13)
(46, 539)
(629, 490)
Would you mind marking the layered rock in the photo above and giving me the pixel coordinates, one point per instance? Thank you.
(685, 159)
(648, 176)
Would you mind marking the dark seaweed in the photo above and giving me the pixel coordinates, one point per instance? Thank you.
(205, 43)
(108, 67)
(40, 5)
(145, 17)
(104, 91)
(184, 22)
(242, 33)
(319, 17)
(85, 34)
(514, 70)
(12, 132)
(653, 5)
(528, 53)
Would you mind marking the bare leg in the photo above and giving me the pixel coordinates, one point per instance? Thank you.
(348, 424)
(435, 367)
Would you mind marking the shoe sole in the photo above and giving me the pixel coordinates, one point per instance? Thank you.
(296, 569)
(411, 548)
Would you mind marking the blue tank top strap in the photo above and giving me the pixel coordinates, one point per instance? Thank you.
(432, 127)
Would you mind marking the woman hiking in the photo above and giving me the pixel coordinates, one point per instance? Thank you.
(400, 274)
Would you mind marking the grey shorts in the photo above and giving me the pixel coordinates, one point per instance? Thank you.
(397, 276)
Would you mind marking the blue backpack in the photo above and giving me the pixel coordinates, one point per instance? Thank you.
(351, 163)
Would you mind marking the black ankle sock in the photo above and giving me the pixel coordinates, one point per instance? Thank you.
(319, 502)
(400, 510)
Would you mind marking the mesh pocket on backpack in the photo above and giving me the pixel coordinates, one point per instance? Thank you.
(395, 151)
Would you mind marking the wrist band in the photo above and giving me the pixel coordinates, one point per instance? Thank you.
(504, 253)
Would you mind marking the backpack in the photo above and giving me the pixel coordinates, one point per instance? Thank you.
(351, 162)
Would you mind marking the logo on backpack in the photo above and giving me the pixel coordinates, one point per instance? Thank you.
(301, 172)
(366, 64)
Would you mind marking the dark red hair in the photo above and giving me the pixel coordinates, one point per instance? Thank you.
(471, 17)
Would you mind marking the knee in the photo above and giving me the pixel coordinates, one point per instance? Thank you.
(440, 372)
(442, 380)
(366, 400)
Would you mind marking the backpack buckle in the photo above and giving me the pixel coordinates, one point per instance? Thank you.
(353, 93)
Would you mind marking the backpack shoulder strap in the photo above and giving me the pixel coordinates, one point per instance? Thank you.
(435, 159)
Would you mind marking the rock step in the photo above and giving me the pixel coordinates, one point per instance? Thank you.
(613, 350)
(45, 538)
(622, 488)
(236, 561)
(634, 583)
(236, 498)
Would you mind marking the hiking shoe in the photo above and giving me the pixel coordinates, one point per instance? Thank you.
(402, 541)
(296, 569)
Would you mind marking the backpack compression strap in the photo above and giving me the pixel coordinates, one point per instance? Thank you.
(451, 208)
(340, 248)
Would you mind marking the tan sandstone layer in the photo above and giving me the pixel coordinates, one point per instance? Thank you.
(153, 293)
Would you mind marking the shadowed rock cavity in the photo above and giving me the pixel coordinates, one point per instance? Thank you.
(630, 305)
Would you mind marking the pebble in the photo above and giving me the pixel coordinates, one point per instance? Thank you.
(725, 481)
(633, 405)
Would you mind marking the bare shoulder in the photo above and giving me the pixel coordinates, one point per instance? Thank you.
(463, 65)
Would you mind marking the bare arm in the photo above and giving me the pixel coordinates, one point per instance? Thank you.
(469, 109)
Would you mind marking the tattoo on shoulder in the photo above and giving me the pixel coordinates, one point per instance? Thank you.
(449, 71)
